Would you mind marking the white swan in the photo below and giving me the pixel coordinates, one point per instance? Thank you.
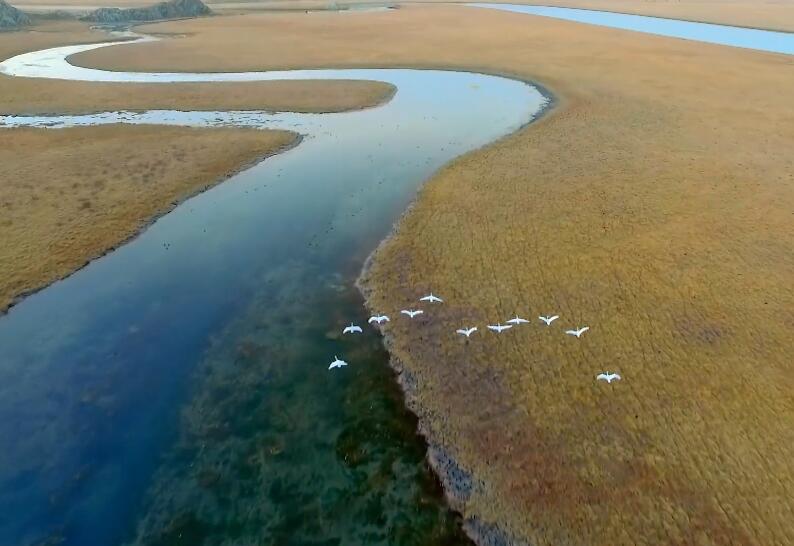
(411, 312)
(499, 327)
(548, 320)
(578, 333)
(431, 298)
(608, 377)
(466, 331)
(518, 320)
(337, 363)
(352, 329)
(378, 318)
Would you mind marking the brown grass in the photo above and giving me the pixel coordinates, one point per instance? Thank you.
(69, 195)
(36, 96)
(654, 203)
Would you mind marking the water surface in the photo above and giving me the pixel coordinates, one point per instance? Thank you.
(764, 40)
(176, 391)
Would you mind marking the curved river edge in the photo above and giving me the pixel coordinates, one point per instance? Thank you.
(456, 481)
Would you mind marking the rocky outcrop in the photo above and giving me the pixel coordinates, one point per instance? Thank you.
(174, 9)
(11, 17)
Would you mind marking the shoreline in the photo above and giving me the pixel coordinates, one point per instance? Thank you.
(146, 223)
(456, 482)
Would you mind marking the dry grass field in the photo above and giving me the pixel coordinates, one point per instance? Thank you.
(653, 203)
(80, 192)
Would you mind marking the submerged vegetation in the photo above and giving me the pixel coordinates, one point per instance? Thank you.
(274, 449)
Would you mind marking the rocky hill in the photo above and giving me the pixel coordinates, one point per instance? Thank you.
(174, 9)
(11, 17)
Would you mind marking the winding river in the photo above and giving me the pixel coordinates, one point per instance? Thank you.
(175, 391)
(178, 387)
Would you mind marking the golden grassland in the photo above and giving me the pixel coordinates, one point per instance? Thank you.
(36, 96)
(79, 192)
(653, 203)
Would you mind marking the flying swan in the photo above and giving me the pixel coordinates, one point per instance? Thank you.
(352, 329)
(517, 320)
(499, 327)
(466, 331)
(431, 298)
(548, 320)
(378, 318)
(608, 377)
(337, 363)
(578, 333)
(411, 313)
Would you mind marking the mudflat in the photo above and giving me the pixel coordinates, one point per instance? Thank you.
(652, 203)
(70, 195)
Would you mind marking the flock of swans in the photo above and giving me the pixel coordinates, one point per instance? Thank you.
(467, 332)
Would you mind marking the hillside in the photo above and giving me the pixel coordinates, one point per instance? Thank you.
(174, 9)
(11, 17)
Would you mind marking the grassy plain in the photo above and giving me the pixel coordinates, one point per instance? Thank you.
(69, 195)
(653, 203)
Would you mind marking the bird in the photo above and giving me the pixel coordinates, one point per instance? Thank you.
(466, 331)
(608, 377)
(411, 313)
(499, 327)
(431, 298)
(378, 318)
(578, 333)
(337, 363)
(549, 320)
(517, 320)
(352, 329)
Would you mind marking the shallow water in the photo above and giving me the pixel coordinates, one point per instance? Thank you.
(764, 40)
(176, 391)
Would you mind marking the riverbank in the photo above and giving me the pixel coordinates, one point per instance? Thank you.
(111, 183)
(653, 204)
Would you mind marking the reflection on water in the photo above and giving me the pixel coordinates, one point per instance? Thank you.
(176, 391)
(764, 40)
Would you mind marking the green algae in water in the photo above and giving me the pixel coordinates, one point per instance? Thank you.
(275, 449)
